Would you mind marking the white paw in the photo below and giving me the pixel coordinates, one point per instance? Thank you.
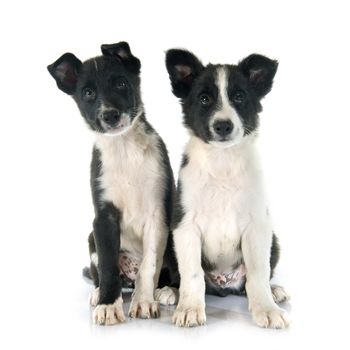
(94, 297)
(279, 294)
(144, 309)
(109, 314)
(189, 316)
(270, 317)
(166, 295)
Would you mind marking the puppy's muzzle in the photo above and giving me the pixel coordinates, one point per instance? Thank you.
(110, 118)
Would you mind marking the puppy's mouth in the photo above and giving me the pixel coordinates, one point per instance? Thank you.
(227, 141)
(121, 127)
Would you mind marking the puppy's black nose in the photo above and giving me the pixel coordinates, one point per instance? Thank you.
(223, 127)
(111, 118)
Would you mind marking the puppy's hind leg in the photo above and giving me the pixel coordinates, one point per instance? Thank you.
(167, 295)
(167, 292)
(279, 294)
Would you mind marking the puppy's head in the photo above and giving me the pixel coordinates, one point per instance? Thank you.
(220, 102)
(106, 88)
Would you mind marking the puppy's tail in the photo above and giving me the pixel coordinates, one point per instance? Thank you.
(86, 273)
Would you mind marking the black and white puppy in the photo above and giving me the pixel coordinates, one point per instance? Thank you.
(223, 235)
(131, 180)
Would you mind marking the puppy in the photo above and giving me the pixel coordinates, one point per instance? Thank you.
(222, 230)
(131, 180)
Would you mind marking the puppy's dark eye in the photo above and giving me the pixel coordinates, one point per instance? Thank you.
(120, 85)
(89, 94)
(239, 96)
(204, 99)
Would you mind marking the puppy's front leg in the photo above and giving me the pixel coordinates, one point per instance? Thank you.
(256, 248)
(109, 309)
(155, 237)
(190, 310)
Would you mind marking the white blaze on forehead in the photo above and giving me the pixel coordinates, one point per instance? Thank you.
(226, 110)
(222, 83)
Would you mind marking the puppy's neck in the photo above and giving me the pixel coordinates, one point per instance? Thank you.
(224, 162)
(135, 138)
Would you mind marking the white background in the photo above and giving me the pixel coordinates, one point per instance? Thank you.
(46, 210)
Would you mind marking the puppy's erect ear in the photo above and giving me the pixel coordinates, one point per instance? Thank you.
(260, 72)
(183, 68)
(121, 51)
(65, 71)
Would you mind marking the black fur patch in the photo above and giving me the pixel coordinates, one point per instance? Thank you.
(275, 254)
(122, 52)
(93, 268)
(169, 190)
(197, 115)
(260, 71)
(178, 212)
(107, 240)
(183, 68)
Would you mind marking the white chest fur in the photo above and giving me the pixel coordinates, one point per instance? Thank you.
(221, 195)
(131, 179)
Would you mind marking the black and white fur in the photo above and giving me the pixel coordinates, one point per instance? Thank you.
(221, 224)
(131, 178)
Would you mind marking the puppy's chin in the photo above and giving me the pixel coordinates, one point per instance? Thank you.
(117, 131)
(224, 144)
(227, 143)
(233, 140)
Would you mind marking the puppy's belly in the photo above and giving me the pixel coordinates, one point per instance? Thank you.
(221, 237)
(222, 223)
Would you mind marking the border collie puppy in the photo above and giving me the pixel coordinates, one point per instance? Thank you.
(223, 235)
(131, 181)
